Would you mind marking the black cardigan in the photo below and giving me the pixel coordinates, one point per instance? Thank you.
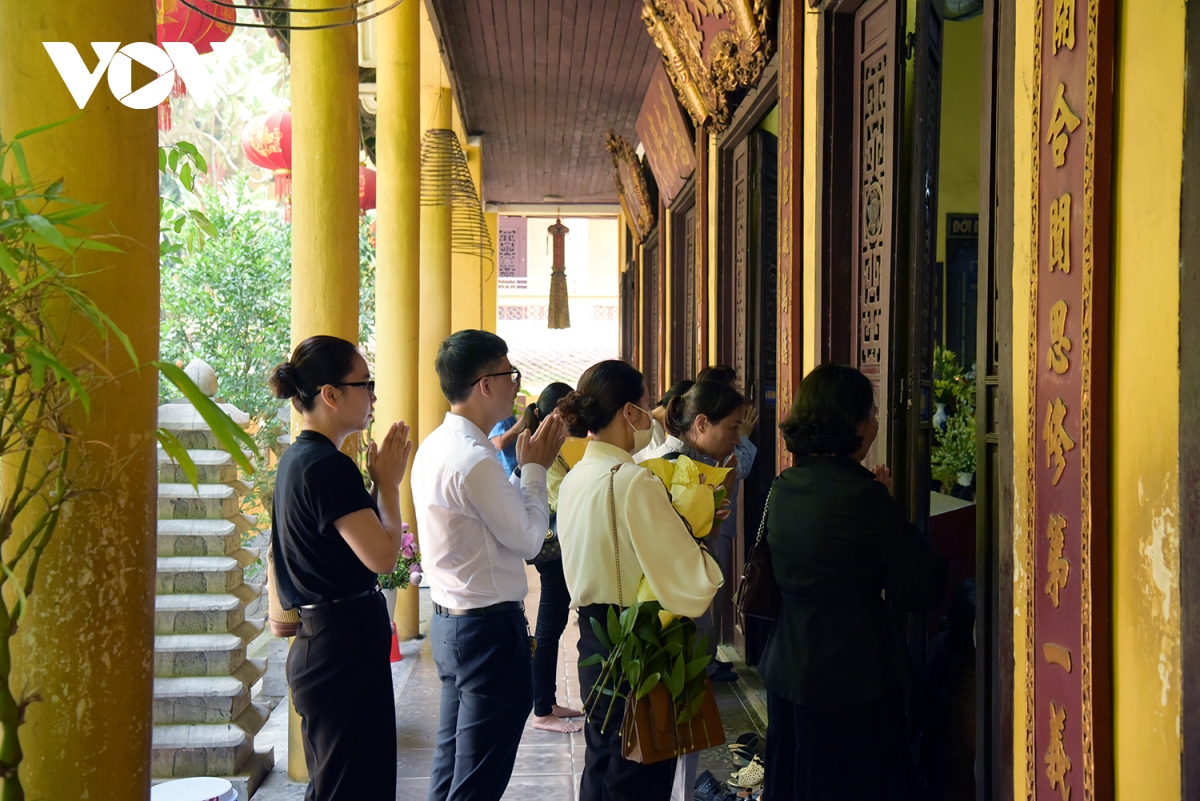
(838, 540)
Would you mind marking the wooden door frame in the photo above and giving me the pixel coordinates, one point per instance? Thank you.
(994, 567)
(686, 200)
(994, 772)
(746, 117)
(1189, 414)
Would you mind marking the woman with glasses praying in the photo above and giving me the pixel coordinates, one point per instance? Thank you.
(331, 537)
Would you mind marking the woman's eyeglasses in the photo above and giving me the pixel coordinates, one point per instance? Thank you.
(370, 385)
(514, 373)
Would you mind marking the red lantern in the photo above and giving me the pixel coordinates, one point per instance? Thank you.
(178, 23)
(267, 143)
(366, 189)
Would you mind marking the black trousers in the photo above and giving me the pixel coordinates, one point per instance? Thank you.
(487, 691)
(553, 609)
(852, 753)
(607, 776)
(341, 684)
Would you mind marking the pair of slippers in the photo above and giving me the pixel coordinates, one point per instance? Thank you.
(744, 753)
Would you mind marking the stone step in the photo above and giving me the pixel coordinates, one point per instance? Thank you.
(206, 502)
(198, 614)
(247, 782)
(217, 749)
(212, 467)
(198, 654)
(197, 574)
(181, 415)
(198, 538)
(199, 699)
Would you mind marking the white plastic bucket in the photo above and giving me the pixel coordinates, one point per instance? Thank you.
(197, 789)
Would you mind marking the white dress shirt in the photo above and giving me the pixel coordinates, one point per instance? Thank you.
(652, 539)
(476, 525)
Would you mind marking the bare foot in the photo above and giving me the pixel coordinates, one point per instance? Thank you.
(552, 723)
(565, 712)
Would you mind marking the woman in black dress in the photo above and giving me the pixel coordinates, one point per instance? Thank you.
(331, 537)
(846, 559)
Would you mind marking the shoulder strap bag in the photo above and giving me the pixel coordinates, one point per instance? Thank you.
(649, 732)
(757, 593)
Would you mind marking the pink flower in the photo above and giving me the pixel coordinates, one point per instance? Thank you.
(407, 542)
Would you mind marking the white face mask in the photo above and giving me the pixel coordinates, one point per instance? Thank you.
(641, 436)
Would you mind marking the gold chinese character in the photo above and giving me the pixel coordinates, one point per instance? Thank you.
(1060, 343)
(1057, 567)
(1064, 24)
(1058, 764)
(1058, 442)
(1060, 234)
(1062, 122)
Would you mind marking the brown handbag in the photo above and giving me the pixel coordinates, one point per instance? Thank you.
(758, 592)
(649, 732)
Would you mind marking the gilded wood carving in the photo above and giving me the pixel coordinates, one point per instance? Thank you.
(632, 189)
(710, 48)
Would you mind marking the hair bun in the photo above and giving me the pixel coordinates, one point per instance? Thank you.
(284, 381)
(574, 409)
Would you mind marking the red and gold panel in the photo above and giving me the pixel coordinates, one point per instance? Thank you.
(665, 135)
(1068, 717)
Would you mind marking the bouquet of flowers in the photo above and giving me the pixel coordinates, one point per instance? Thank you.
(408, 564)
(697, 491)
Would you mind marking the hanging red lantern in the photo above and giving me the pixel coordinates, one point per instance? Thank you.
(366, 189)
(179, 23)
(267, 143)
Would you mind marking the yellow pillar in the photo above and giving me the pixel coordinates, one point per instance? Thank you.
(435, 287)
(86, 642)
(325, 141)
(469, 269)
(398, 234)
(490, 271)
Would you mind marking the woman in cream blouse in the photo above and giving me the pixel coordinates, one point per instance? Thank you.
(652, 540)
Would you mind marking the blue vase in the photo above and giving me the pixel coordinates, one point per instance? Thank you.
(940, 416)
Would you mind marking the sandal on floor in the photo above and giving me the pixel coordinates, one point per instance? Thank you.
(743, 749)
(750, 776)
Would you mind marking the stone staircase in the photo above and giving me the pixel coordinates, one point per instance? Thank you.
(204, 719)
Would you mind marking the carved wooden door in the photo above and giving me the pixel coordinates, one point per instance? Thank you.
(756, 260)
(629, 313)
(683, 294)
(877, 102)
(651, 316)
(913, 399)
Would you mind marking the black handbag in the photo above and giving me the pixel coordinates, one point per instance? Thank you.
(758, 592)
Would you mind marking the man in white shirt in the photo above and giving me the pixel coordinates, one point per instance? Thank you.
(477, 527)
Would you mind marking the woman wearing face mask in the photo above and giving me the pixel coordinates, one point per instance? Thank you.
(704, 424)
(651, 541)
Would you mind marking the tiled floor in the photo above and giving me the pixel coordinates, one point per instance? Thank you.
(548, 764)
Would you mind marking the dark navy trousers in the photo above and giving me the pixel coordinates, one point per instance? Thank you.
(487, 693)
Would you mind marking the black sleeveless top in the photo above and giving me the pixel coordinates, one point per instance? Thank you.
(316, 485)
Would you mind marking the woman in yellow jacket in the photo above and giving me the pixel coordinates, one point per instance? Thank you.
(651, 540)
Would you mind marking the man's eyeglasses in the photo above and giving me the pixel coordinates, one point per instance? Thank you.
(514, 373)
(370, 385)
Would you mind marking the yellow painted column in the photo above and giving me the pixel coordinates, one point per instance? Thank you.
(490, 273)
(469, 269)
(86, 642)
(398, 234)
(435, 287)
(325, 141)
